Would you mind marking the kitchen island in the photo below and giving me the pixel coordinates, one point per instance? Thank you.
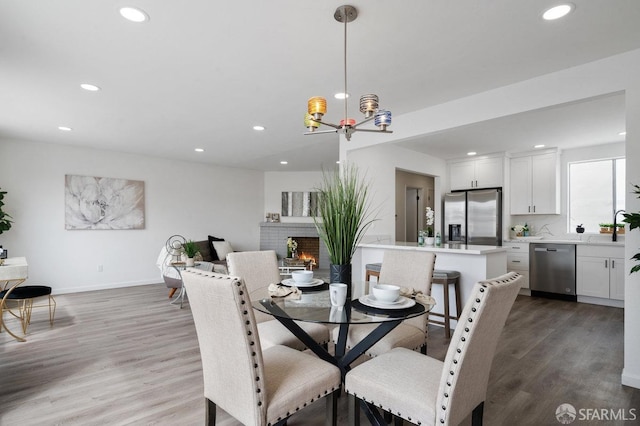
(474, 262)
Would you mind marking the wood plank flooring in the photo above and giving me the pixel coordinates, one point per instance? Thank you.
(127, 357)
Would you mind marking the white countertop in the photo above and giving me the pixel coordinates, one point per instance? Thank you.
(445, 248)
(592, 241)
(14, 268)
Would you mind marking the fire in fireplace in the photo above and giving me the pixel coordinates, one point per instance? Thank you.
(309, 250)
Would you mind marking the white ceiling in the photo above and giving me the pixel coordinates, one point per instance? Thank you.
(201, 73)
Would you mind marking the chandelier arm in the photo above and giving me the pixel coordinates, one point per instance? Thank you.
(366, 120)
(321, 132)
(373, 130)
(335, 126)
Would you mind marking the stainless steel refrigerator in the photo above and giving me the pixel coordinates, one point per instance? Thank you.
(476, 216)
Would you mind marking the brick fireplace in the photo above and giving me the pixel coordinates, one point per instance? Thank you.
(273, 236)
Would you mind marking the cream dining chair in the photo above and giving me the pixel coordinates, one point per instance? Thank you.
(406, 269)
(258, 269)
(426, 391)
(255, 386)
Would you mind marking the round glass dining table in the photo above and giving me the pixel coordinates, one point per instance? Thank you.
(314, 305)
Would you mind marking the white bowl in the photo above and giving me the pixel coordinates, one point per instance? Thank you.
(302, 277)
(386, 292)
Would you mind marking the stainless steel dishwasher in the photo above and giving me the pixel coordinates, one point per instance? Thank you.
(552, 270)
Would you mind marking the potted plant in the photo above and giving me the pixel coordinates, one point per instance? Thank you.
(429, 229)
(190, 250)
(5, 222)
(344, 217)
(633, 219)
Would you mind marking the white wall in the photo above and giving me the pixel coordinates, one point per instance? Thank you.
(190, 199)
(380, 164)
(631, 372)
(277, 182)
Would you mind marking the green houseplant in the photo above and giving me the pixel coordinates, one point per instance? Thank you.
(190, 249)
(344, 216)
(5, 219)
(633, 219)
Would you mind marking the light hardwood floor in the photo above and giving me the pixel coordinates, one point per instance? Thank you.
(127, 357)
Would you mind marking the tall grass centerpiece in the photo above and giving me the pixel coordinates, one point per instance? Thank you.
(344, 217)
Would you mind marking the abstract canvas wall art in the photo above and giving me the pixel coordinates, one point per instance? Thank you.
(300, 203)
(103, 203)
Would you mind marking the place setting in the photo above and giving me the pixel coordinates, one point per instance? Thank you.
(385, 297)
(304, 281)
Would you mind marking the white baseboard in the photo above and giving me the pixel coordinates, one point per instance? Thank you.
(105, 286)
(630, 380)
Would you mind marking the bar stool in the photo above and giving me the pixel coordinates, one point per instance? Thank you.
(372, 270)
(445, 278)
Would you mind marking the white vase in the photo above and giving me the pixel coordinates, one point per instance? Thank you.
(191, 261)
(430, 241)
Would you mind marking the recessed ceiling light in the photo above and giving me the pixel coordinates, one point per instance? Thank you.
(557, 12)
(471, 153)
(90, 87)
(134, 14)
(199, 150)
(539, 146)
(284, 162)
(338, 162)
(341, 95)
(259, 128)
(65, 128)
(622, 134)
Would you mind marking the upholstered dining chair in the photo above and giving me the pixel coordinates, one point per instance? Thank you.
(258, 269)
(255, 386)
(426, 391)
(405, 269)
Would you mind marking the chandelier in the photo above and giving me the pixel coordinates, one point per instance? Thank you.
(317, 105)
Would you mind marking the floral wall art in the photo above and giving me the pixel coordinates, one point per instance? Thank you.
(103, 203)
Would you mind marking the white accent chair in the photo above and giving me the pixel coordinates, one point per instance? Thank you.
(405, 269)
(255, 386)
(426, 391)
(258, 269)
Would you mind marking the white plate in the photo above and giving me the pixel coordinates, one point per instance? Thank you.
(401, 303)
(291, 283)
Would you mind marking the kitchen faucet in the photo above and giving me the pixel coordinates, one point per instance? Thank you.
(615, 225)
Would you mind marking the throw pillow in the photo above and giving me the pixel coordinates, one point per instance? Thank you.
(223, 248)
(214, 254)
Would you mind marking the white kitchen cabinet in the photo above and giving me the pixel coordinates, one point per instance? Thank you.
(600, 272)
(518, 260)
(534, 181)
(477, 173)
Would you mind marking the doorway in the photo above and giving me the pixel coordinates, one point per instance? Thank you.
(414, 192)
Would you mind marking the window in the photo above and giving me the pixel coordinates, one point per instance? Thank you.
(596, 190)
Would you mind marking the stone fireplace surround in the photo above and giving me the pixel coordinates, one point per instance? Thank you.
(273, 236)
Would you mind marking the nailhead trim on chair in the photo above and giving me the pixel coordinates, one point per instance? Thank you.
(258, 388)
(458, 354)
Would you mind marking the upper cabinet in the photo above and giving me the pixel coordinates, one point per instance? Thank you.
(476, 173)
(534, 182)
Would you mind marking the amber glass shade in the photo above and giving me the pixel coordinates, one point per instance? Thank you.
(317, 107)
